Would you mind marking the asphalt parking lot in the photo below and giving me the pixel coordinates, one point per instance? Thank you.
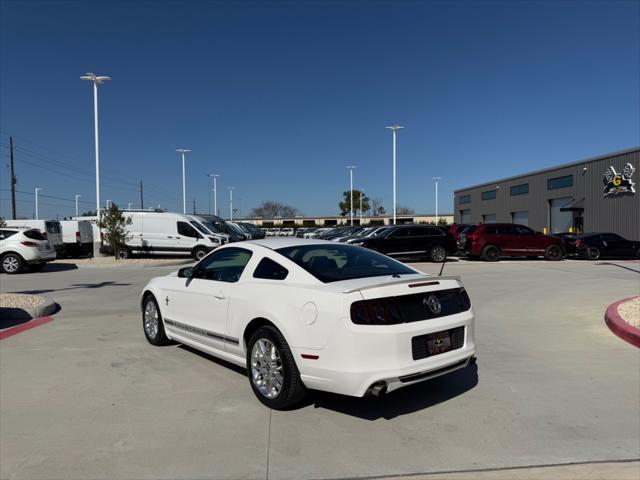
(85, 396)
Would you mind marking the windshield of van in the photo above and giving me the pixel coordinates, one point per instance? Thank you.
(212, 227)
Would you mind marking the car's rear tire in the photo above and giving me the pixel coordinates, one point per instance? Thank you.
(491, 253)
(11, 263)
(592, 253)
(152, 323)
(124, 253)
(199, 253)
(437, 254)
(553, 253)
(273, 374)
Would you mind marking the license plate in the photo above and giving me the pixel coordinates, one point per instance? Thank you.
(438, 343)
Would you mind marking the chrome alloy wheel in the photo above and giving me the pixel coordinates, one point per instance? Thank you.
(151, 319)
(266, 368)
(438, 254)
(10, 264)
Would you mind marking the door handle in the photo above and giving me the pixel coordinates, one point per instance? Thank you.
(219, 296)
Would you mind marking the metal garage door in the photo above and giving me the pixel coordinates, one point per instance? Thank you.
(465, 216)
(520, 217)
(560, 221)
(489, 218)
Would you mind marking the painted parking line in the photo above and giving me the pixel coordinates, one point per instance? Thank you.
(36, 322)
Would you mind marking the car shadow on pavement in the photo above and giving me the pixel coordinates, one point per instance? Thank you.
(10, 317)
(75, 286)
(60, 267)
(403, 401)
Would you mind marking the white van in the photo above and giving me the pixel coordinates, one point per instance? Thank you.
(77, 236)
(51, 229)
(163, 233)
(204, 227)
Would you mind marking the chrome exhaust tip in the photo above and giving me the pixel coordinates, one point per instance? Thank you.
(378, 389)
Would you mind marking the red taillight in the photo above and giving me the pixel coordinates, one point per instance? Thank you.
(473, 237)
(77, 237)
(579, 243)
(29, 244)
(375, 312)
(44, 234)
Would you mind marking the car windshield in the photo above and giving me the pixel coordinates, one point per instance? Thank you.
(343, 262)
(212, 227)
(200, 228)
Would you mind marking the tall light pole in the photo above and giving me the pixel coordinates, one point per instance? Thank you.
(77, 196)
(231, 203)
(351, 167)
(393, 129)
(361, 195)
(129, 206)
(108, 203)
(183, 151)
(436, 179)
(37, 190)
(97, 80)
(215, 194)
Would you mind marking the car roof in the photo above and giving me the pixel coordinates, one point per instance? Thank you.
(284, 242)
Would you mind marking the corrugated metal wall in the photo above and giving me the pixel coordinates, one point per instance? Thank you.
(619, 214)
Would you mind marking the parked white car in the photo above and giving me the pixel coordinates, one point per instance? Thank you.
(273, 232)
(51, 229)
(287, 232)
(302, 314)
(315, 233)
(24, 247)
(163, 233)
(77, 236)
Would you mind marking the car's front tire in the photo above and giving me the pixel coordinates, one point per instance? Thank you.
(199, 253)
(152, 323)
(11, 263)
(491, 253)
(273, 374)
(553, 253)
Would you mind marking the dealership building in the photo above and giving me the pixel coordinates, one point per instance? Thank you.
(594, 195)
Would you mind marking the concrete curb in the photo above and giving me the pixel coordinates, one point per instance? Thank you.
(44, 309)
(618, 326)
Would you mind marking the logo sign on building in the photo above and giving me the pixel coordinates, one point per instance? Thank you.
(617, 183)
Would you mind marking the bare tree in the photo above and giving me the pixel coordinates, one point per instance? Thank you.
(376, 206)
(271, 209)
(404, 210)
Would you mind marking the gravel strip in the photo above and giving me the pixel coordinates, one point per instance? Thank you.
(16, 300)
(630, 312)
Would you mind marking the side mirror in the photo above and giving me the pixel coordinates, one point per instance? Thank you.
(186, 272)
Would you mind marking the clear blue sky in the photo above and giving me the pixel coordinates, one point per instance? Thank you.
(277, 97)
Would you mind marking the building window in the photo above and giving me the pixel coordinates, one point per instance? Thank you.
(521, 218)
(489, 218)
(465, 216)
(520, 189)
(560, 182)
(489, 195)
(465, 199)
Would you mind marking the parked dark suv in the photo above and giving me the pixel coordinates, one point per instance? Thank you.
(492, 241)
(412, 241)
(592, 246)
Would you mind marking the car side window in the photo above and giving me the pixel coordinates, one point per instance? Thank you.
(610, 238)
(4, 234)
(187, 230)
(400, 233)
(270, 270)
(522, 230)
(224, 265)
(492, 230)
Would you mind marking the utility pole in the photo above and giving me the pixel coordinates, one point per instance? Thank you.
(194, 206)
(394, 128)
(14, 180)
(182, 151)
(141, 197)
(351, 167)
(436, 179)
(77, 196)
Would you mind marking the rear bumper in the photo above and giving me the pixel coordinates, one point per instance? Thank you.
(357, 357)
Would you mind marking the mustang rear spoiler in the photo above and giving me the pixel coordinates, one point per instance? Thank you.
(421, 282)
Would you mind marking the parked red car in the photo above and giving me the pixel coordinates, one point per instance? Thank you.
(456, 228)
(492, 241)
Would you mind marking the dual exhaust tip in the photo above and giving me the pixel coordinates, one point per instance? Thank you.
(378, 389)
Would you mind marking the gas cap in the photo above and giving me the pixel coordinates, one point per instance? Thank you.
(309, 313)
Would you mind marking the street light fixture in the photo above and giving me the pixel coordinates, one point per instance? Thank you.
(436, 179)
(183, 151)
(77, 196)
(37, 190)
(230, 203)
(215, 193)
(351, 167)
(393, 129)
(97, 80)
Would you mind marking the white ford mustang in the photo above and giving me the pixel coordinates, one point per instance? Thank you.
(309, 314)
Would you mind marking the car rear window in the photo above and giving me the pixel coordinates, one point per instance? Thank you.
(343, 262)
(52, 227)
(469, 230)
(34, 235)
